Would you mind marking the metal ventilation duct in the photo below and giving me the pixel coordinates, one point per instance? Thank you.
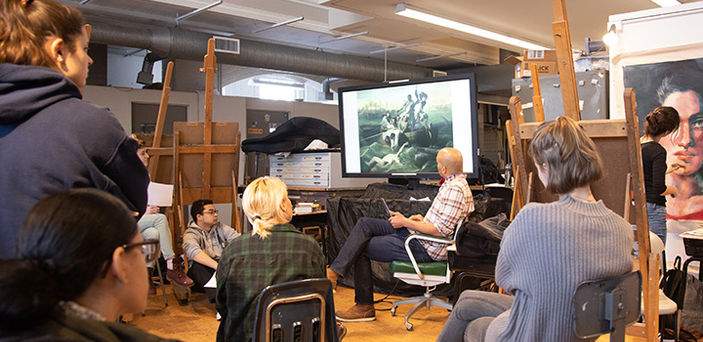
(176, 43)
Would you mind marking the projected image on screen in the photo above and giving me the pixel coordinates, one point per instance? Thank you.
(403, 129)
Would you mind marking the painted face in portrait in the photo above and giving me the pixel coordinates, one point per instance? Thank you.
(685, 145)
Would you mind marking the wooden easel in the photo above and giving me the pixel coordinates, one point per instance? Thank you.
(206, 155)
(161, 153)
(618, 143)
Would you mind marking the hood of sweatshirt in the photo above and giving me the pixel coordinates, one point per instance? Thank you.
(25, 90)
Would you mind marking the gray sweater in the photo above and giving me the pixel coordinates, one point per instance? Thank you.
(546, 252)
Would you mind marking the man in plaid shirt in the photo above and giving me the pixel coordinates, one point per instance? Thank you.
(384, 240)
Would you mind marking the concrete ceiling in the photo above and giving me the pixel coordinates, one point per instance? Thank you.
(325, 20)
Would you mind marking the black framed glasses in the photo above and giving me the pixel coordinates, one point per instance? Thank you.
(211, 211)
(149, 248)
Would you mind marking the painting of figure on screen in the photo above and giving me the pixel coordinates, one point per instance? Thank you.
(676, 84)
(403, 128)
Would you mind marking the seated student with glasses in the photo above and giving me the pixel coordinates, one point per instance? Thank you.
(80, 264)
(203, 242)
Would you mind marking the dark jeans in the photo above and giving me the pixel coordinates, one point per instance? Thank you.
(201, 274)
(373, 239)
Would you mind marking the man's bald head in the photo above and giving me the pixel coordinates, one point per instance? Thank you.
(451, 159)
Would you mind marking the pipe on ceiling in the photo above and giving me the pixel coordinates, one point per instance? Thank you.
(177, 43)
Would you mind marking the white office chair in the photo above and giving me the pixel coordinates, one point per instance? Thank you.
(427, 274)
(666, 305)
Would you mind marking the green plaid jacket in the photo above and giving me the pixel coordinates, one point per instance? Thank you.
(250, 263)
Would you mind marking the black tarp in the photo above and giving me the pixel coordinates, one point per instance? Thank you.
(342, 214)
(294, 135)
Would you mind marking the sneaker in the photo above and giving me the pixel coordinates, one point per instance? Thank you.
(179, 277)
(332, 276)
(341, 331)
(357, 313)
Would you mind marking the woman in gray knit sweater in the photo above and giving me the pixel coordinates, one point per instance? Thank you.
(548, 249)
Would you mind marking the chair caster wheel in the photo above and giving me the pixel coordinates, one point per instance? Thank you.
(392, 312)
(409, 326)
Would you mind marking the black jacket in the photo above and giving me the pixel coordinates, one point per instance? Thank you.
(51, 140)
(69, 328)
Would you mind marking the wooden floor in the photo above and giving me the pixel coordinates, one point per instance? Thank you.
(196, 321)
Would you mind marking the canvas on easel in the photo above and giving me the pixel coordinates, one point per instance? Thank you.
(206, 156)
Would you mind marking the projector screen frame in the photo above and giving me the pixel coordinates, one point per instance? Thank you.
(473, 105)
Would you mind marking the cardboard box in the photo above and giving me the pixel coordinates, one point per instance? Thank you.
(545, 60)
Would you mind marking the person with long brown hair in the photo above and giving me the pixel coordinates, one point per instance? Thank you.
(658, 124)
(50, 139)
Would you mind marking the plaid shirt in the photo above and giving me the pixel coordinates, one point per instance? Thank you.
(250, 263)
(452, 203)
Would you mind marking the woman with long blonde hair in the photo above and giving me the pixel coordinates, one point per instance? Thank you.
(274, 252)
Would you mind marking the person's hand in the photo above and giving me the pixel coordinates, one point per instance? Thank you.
(416, 217)
(152, 209)
(397, 220)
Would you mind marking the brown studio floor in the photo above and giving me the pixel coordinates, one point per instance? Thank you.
(196, 321)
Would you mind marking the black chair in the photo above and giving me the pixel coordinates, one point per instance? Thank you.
(301, 310)
(607, 306)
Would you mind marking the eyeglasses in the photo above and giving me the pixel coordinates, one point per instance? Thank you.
(149, 248)
(211, 211)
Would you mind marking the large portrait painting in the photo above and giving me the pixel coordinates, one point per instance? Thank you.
(678, 84)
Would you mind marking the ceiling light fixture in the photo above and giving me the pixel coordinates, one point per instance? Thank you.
(611, 37)
(404, 10)
(666, 3)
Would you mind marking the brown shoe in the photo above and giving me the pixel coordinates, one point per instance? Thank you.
(179, 277)
(332, 276)
(357, 313)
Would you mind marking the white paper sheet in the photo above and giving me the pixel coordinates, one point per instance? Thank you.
(159, 194)
(212, 283)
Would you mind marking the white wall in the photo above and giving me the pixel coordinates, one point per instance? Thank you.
(652, 36)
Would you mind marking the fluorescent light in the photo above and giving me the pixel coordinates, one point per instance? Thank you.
(403, 10)
(666, 3)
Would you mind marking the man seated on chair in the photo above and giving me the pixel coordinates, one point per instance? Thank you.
(384, 240)
(203, 243)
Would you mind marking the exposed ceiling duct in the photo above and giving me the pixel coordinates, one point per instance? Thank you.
(176, 43)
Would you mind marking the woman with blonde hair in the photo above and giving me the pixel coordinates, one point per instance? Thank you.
(548, 249)
(274, 252)
(50, 139)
